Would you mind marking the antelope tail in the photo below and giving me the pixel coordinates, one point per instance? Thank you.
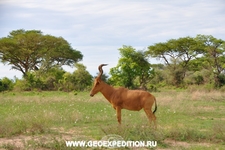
(155, 106)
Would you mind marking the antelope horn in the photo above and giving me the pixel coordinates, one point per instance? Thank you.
(100, 70)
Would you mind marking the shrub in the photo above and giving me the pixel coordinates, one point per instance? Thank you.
(6, 84)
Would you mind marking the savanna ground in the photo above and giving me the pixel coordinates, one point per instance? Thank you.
(44, 120)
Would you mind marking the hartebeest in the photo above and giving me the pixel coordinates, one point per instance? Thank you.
(122, 98)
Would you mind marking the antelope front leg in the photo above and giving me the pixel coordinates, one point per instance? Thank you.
(118, 113)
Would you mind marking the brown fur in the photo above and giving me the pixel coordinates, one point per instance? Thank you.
(122, 98)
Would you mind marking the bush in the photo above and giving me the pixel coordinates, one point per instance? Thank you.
(222, 79)
(222, 89)
(21, 85)
(6, 84)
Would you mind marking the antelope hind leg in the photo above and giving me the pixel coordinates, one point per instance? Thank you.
(150, 116)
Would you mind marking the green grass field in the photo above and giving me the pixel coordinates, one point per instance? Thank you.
(44, 120)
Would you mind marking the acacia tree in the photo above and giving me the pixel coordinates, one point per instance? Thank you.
(176, 54)
(31, 50)
(214, 54)
(131, 66)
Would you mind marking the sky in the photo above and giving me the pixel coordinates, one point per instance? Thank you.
(98, 28)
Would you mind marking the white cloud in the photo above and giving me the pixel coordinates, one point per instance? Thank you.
(5, 71)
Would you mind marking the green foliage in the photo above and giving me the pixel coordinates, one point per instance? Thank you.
(203, 54)
(31, 50)
(6, 84)
(31, 82)
(187, 61)
(83, 78)
(177, 53)
(160, 76)
(79, 80)
(214, 54)
(56, 79)
(132, 65)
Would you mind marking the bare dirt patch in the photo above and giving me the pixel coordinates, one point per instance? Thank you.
(23, 141)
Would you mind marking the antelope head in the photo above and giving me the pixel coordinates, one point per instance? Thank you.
(98, 86)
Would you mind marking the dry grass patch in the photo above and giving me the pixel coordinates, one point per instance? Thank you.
(167, 97)
(209, 96)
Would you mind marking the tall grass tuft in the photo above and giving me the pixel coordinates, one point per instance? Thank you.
(219, 132)
(134, 132)
(185, 133)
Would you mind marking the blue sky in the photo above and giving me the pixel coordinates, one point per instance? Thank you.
(98, 28)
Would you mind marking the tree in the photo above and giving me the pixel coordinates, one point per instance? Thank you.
(214, 54)
(31, 50)
(132, 65)
(177, 54)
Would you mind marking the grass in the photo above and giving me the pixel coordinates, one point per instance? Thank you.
(44, 120)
